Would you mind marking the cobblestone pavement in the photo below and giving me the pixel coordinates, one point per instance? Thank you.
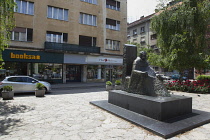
(69, 116)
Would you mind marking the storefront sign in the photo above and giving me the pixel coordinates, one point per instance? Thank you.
(31, 56)
(104, 60)
(24, 56)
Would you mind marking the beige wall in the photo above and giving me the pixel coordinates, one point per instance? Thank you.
(40, 23)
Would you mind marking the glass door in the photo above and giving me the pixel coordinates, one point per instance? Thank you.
(73, 73)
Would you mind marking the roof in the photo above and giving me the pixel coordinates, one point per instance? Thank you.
(141, 20)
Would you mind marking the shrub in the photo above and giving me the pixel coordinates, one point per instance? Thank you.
(118, 82)
(7, 88)
(39, 86)
(203, 77)
(109, 83)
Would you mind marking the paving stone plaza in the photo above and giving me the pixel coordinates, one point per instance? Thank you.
(70, 116)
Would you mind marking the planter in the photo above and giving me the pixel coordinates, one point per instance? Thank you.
(108, 87)
(40, 93)
(118, 87)
(7, 95)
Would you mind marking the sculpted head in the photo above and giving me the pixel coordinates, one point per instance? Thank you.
(143, 55)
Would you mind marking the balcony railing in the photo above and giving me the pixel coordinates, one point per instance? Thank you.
(64, 47)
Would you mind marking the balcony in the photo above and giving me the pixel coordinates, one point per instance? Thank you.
(63, 47)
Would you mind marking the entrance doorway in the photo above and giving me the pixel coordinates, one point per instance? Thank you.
(73, 73)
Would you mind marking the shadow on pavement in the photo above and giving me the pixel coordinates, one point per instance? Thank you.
(6, 110)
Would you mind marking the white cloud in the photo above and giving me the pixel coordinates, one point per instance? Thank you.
(138, 8)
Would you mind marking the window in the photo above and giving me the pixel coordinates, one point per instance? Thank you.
(112, 24)
(87, 41)
(112, 45)
(22, 34)
(57, 13)
(88, 19)
(142, 30)
(90, 1)
(24, 7)
(56, 37)
(143, 40)
(128, 34)
(154, 36)
(135, 32)
(112, 4)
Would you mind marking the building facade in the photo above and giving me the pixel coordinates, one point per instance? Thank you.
(67, 40)
(140, 32)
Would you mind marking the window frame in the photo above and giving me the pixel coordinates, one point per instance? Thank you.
(21, 10)
(55, 36)
(95, 2)
(85, 19)
(20, 35)
(55, 13)
(111, 46)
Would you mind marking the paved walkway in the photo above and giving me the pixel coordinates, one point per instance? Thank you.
(69, 116)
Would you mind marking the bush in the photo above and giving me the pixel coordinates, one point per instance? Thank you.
(109, 83)
(39, 86)
(203, 77)
(7, 88)
(118, 82)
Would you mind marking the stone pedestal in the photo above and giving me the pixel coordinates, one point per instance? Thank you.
(159, 108)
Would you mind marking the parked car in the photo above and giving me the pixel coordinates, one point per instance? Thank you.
(177, 76)
(164, 76)
(23, 83)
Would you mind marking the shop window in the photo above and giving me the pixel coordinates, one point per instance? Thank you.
(112, 24)
(57, 13)
(112, 4)
(48, 71)
(88, 19)
(92, 71)
(112, 45)
(90, 1)
(24, 7)
(87, 41)
(22, 34)
(56, 37)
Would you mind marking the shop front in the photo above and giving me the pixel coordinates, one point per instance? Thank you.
(102, 68)
(38, 64)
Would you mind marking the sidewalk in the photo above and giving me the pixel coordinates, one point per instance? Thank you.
(78, 85)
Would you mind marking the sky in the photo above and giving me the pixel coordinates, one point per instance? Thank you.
(138, 8)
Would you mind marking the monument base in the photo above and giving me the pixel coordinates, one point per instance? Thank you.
(159, 108)
(165, 129)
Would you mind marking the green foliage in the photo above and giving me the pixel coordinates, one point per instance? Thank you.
(181, 34)
(7, 88)
(7, 22)
(109, 83)
(39, 86)
(118, 82)
(203, 77)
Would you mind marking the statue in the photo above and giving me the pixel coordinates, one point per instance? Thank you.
(143, 79)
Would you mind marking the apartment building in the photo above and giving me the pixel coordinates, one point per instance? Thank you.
(67, 40)
(140, 32)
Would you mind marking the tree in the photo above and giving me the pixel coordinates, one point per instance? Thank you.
(7, 22)
(181, 34)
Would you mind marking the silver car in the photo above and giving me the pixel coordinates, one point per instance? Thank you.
(23, 83)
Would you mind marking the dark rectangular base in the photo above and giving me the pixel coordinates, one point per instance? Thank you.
(165, 129)
(159, 108)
